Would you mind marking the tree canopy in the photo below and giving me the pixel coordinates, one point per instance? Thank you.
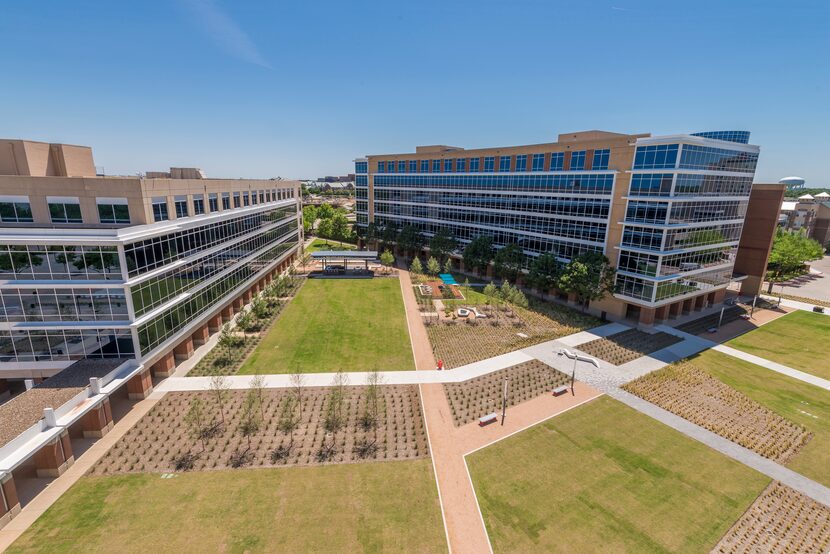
(508, 261)
(790, 251)
(544, 272)
(442, 244)
(410, 239)
(589, 276)
(478, 253)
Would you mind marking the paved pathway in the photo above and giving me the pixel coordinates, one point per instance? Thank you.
(795, 304)
(774, 366)
(83, 463)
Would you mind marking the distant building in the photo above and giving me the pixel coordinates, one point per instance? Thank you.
(793, 183)
(810, 214)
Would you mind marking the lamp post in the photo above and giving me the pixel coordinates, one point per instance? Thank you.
(577, 358)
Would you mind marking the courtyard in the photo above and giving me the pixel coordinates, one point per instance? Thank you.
(337, 324)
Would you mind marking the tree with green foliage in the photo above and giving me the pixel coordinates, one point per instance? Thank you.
(791, 250)
(508, 261)
(325, 229)
(372, 234)
(340, 227)
(257, 384)
(387, 259)
(289, 421)
(325, 211)
(309, 218)
(544, 272)
(195, 421)
(250, 419)
(389, 235)
(220, 389)
(589, 276)
(442, 244)
(448, 265)
(410, 240)
(416, 267)
(433, 267)
(478, 253)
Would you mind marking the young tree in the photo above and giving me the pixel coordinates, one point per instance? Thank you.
(227, 342)
(257, 384)
(387, 259)
(790, 251)
(479, 253)
(309, 218)
(297, 381)
(250, 419)
(508, 261)
(448, 265)
(589, 276)
(433, 267)
(492, 293)
(375, 407)
(544, 272)
(416, 266)
(325, 228)
(220, 388)
(289, 419)
(442, 243)
(259, 307)
(195, 421)
(334, 418)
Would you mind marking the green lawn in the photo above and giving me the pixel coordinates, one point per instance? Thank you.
(348, 324)
(799, 339)
(797, 401)
(603, 477)
(322, 244)
(368, 507)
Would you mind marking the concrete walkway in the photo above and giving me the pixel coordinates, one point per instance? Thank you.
(83, 463)
(774, 366)
(795, 304)
(814, 490)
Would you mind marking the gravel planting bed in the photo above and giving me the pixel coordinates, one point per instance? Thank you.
(628, 346)
(465, 341)
(693, 394)
(474, 398)
(162, 436)
(780, 520)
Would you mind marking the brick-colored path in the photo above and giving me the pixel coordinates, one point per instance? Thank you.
(449, 444)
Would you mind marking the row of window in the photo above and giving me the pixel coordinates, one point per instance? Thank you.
(146, 255)
(518, 223)
(554, 161)
(561, 248)
(154, 292)
(692, 156)
(651, 291)
(59, 262)
(63, 305)
(651, 264)
(676, 239)
(65, 345)
(572, 184)
(639, 211)
(571, 206)
(64, 211)
(660, 184)
(154, 332)
(236, 199)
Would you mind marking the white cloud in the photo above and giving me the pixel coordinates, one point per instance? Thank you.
(225, 32)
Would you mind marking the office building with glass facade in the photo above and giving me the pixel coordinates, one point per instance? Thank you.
(667, 211)
(129, 267)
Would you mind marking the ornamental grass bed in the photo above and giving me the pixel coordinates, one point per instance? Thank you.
(474, 398)
(628, 346)
(696, 396)
(780, 520)
(163, 442)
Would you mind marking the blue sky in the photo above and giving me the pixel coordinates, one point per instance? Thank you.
(299, 89)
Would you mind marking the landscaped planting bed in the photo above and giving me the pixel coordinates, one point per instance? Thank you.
(227, 361)
(163, 436)
(628, 346)
(465, 341)
(477, 397)
(780, 520)
(693, 394)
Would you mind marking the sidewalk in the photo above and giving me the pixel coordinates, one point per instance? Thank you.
(774, 366)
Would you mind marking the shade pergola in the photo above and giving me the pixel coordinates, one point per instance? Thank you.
(345, 255)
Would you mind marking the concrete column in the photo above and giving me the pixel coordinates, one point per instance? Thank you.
(98, 421)
(183, 350)
(700, 301)
(140, 386)
(661, 313)
(246, 297)
(688, 304)
(720, 294)
(227, 314)
(5, 393)
(647, 316)
(711, 298)
(164, 366)
(9, 501)
(675, 309)
(572, 298)
(215, 323)
(237, 304)
(55, 457)
(201, 335)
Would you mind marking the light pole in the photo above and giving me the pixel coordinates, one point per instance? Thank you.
(503, 402)
(577, 358)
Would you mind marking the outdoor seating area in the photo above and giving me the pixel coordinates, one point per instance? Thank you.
(349, 264)
(628, 346)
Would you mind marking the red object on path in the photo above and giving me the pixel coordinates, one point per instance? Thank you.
(440, 365)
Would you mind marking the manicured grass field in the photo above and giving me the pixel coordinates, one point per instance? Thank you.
(799, 402)
(323, 244)
(603, 477)
(366, 507)
(332, 324)
(798, 340)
